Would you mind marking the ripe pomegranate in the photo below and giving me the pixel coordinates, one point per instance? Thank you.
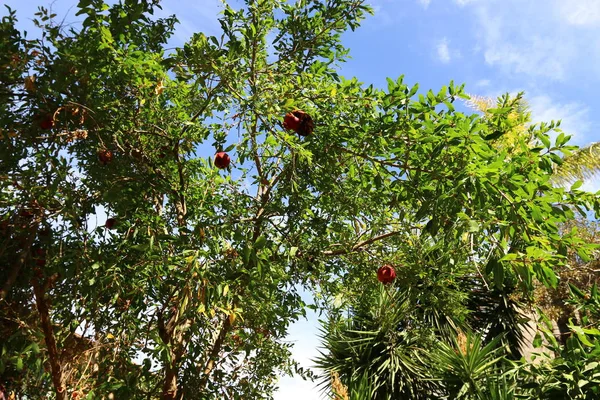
(291, 122)
(110, 223)
(24, 213)
(386, 274)
(105, 156)
(299, 122)
(222, 160)
(47, 123)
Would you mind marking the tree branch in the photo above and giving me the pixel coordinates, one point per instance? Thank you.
(58, 378)
(360, 245)
(21, 259)
(210, 364)
(402, 166)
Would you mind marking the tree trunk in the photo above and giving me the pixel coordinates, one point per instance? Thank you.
(210, 364)
(172, 335)
(170, 385)
(19, 262)
(58, 377)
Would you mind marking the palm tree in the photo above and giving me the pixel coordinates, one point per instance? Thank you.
(378, 348)
(581, 164)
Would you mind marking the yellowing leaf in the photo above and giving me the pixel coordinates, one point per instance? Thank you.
(30, 83)
(159, 88)
(11, 134)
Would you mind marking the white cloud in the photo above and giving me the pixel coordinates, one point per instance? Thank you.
(510, 43)
(575, 117)
(546, 39)
(592, 186)
(581, 12)
(443, 52)
(483, 83)
(464, 2)
(424, 3)
(533, 58)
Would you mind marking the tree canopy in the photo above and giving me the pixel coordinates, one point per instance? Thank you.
(187, 288)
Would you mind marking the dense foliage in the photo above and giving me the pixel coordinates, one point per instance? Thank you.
(475, 323)
(188, 285)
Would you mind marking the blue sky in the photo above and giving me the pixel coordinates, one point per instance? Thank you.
(548, 48)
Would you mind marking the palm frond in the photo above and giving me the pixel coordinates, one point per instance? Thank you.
(466, 364)
(378, 342)
(582, 164)
(480, 103)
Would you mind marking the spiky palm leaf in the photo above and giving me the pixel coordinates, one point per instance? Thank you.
(498, 313)
(582, 164)
(379, 342)
(465, 365)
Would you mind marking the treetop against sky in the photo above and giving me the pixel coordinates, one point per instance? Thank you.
(311, 195)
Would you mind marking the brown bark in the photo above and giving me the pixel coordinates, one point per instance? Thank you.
(170, 385)
(58, 376)
(215, 351)
(173, 336)
(170, 334)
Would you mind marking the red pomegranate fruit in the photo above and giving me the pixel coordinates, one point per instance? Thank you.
(222, 160)
(47, 123)
(299, 122)
(386, 274)
(110, 223)
(105, 156)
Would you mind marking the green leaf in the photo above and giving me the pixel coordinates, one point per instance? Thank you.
(537, 341)
(591, 366)
(491, 266)
(509, 257)
(545, 140)
(576, 185)
(413, 90)
(473, 226)
(260, 242)
(581, 335)
(494, 135)
(499, 276)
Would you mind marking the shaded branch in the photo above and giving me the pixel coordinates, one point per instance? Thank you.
(210, 364)
(360, 245)
(20, 261)
(58, 377)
